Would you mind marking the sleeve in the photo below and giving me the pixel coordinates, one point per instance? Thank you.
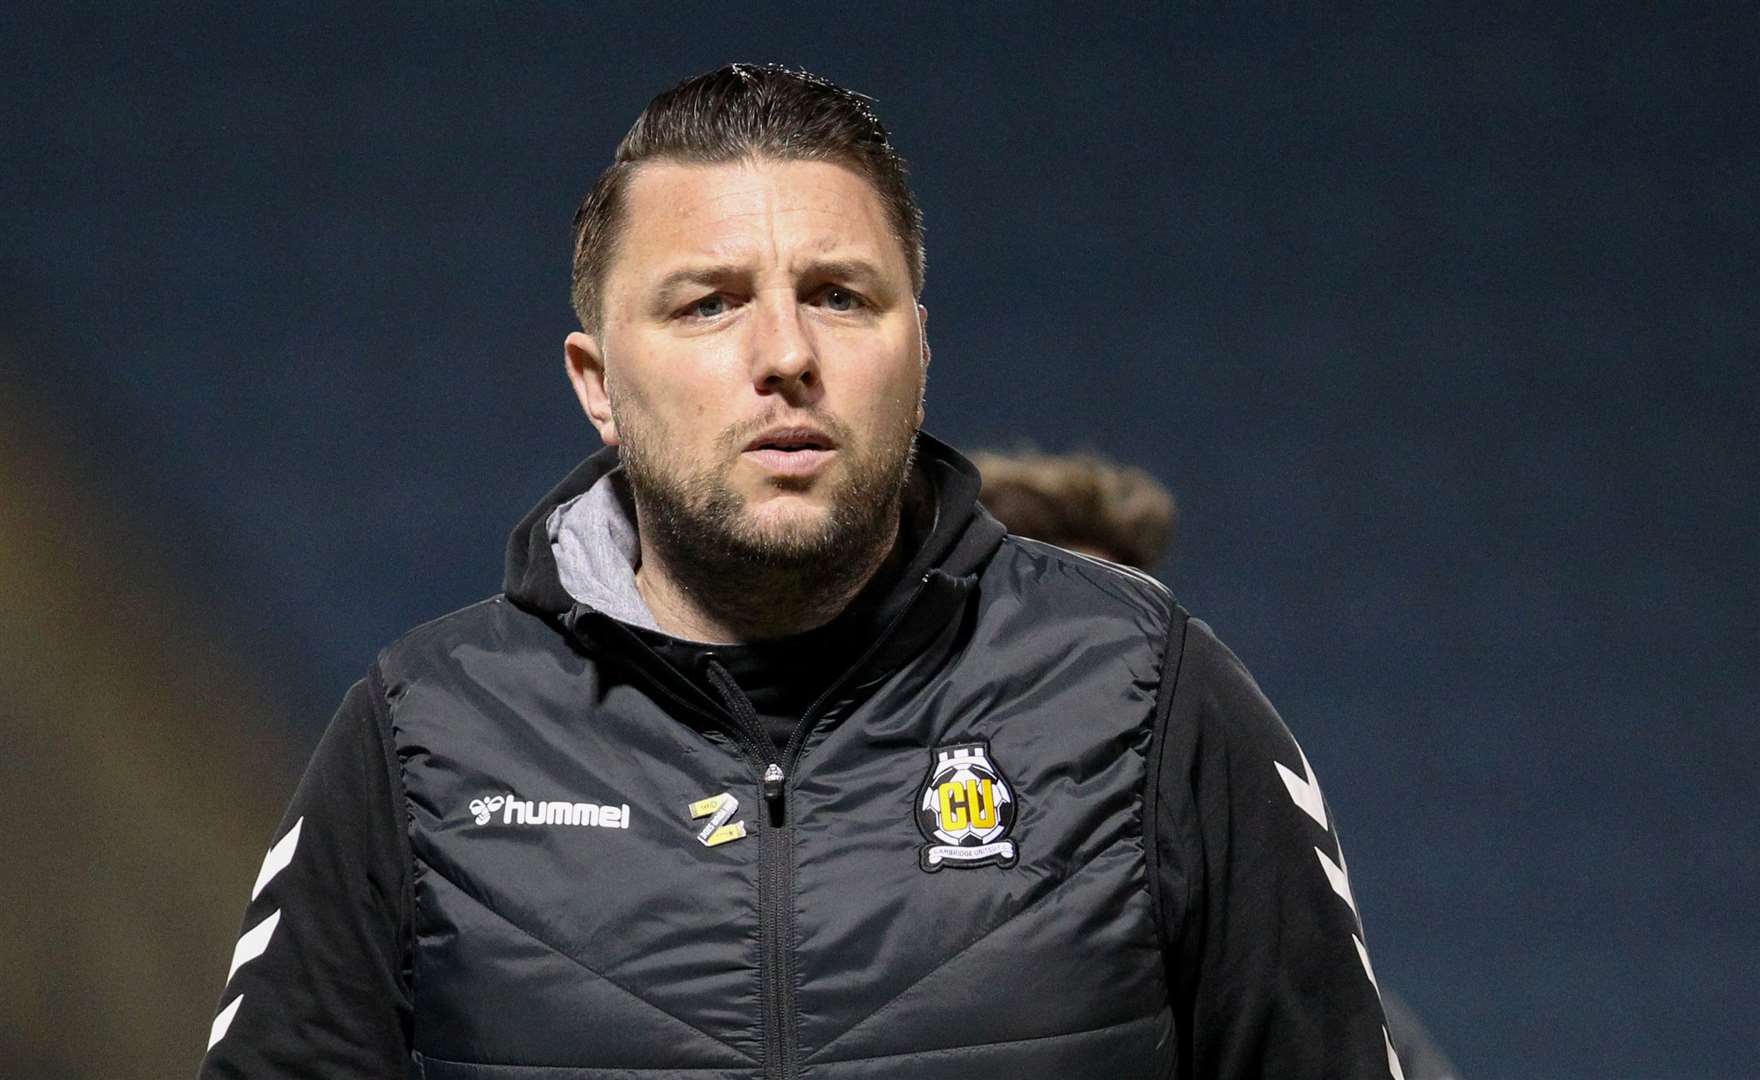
(318, 983)
(1264, 947)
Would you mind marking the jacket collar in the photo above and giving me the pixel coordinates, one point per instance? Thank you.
(959, 540)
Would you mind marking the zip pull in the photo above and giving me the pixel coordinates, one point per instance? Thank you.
(773, 781)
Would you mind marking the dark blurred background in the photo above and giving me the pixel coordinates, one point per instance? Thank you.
(1440, 322)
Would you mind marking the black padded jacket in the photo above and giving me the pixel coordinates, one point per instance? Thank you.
(1040, 824)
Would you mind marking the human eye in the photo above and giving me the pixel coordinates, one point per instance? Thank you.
(838, 298)
(707, 307)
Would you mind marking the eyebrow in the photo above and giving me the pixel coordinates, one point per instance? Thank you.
(845, 270)
(858, 270)
(696, 275)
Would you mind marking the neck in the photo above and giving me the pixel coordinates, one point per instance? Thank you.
(699, 599)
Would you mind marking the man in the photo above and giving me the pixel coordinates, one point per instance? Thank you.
(777, 757)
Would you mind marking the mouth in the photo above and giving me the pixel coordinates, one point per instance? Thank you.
(792, 451)
(792, 440)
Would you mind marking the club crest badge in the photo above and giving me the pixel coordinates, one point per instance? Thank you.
(966, 810)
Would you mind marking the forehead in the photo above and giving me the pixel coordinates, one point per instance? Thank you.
(751, 210)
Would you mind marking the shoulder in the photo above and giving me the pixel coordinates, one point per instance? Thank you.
(492, 627)
(1217, 709)
(1056, 583)
(1212, 672)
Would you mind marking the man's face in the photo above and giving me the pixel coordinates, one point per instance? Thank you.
(760, 358)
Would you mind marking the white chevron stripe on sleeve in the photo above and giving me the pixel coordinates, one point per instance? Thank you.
(252, 943)
(1363, 955)
(224, 1021)
(277, 858)
(1393, 1068)
(1341, 881)
(1304, 789)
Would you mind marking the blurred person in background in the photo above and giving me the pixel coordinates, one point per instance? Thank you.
(1082, 502)
(1087, 503)
(776, 755)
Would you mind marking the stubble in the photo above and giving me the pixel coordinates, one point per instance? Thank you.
(766, 579)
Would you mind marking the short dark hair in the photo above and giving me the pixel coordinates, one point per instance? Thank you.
(1080, 501)
(734, 113)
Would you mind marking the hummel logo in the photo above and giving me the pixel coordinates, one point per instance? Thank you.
(527, 812)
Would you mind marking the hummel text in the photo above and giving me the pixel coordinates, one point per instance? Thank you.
(528, 812)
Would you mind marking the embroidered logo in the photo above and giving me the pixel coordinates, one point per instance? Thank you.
(514, 811)
(482, 808)
(966, 810)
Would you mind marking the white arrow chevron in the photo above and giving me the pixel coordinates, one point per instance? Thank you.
(224, 1021)
(1363, 955)
(1304, 789)
(1393, 1068)
(252, 943)
(1340, 879)
(280, 855)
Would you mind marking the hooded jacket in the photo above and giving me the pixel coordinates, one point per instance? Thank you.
(1032, 821)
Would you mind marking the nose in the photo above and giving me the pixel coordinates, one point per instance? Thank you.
(785, 359)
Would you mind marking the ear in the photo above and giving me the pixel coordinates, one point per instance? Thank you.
(586, 371)
(923, 335)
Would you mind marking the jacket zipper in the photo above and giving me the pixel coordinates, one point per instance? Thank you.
(780, 848)
(775, 852)
(773, 860)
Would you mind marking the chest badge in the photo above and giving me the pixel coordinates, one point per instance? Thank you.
(966, 809)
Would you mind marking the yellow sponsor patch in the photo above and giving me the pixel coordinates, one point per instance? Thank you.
(705, 807)
(731, 831)
(720, 828)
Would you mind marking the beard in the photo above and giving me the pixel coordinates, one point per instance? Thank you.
(756, 576)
